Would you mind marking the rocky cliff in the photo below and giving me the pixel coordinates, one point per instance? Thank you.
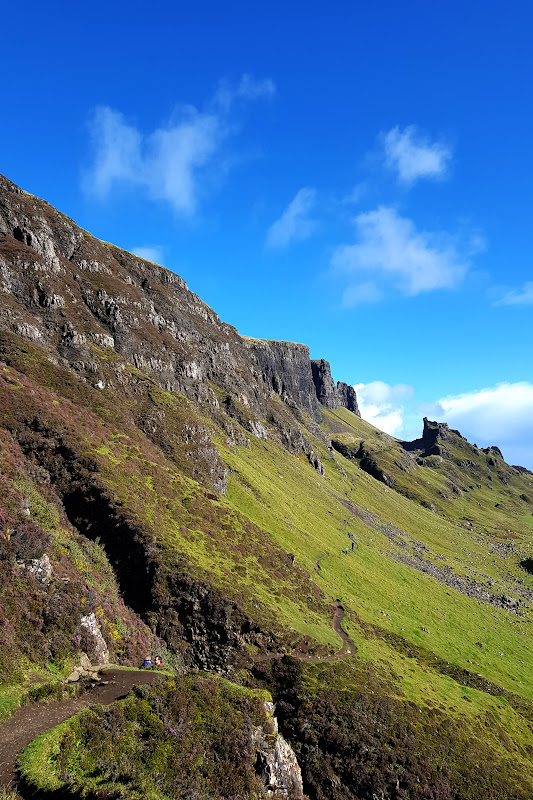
(92, 306)
(329, 395)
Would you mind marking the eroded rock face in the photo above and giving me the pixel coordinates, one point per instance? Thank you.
(82, 300)
(215, 629)
(326, 391)
(329, 395)
(316, 463)
(276, 762)
(89, 624)
(347, 398)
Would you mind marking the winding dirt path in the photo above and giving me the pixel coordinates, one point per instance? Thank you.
(348, 648)
(30, 721)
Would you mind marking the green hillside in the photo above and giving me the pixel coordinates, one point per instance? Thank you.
(276, 543)
(170, 487)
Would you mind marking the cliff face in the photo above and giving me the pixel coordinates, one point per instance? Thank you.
(329, 395)
(127, 338)
(78, 297)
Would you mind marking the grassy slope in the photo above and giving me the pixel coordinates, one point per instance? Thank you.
(496, 498)
(276, 504)
(306, 515)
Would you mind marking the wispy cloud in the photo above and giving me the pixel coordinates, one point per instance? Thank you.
(172, 162)
(383, 405)
(393, 250)
(154, 254)
(360, 293)
(295, 223)
(412, 155)
(355, 196)
(500, 415)
(517, 297)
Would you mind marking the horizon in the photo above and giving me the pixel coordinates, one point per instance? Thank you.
(357, 201)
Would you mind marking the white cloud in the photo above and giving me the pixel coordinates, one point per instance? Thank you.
(118, 150)
(518, 297)
(154, 254)
(383, 405)
(172, 162)
(294, 224)
(501, 415)
(412, 155)
(391, 248)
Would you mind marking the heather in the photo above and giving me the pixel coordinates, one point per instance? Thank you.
(190, 737)
(357, 737)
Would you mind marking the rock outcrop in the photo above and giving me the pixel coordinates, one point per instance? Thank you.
(216, 631)
(103, 312)
(329, 395)
(347, 398)
(276, 762)
(99, 650)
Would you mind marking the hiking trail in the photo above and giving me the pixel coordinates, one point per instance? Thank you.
(30, 721)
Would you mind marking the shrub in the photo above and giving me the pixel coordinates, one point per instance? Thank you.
(357, 744)
(188, 738)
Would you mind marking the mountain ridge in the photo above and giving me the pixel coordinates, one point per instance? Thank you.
(190, 491)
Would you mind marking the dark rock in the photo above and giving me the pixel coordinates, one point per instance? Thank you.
(527, 564)
(216, 630)
(493, 450)
(329, 395)
(369, 464)
(326, 391)
(522, 470)
(348, 397)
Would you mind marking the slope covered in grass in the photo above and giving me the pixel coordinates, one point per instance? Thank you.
(194, 490)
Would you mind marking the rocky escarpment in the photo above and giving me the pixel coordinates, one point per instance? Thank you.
(329, 395)
(431, 443)
(101, 311)
(284, 368)
(216, 631)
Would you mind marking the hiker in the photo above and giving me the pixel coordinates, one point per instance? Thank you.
(346, 551)
(353, 544)
(158, 661)
(147, 662)
(349, 535)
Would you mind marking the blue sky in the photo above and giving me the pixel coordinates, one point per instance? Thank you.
(356, 176)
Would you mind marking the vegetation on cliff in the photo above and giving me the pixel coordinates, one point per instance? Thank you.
(192, 492)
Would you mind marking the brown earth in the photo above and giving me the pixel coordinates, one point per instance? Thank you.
(30, 721)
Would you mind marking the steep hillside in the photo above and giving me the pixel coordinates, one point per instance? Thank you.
(193, 490)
